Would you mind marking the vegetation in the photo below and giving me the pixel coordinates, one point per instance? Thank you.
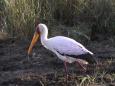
(21, 16)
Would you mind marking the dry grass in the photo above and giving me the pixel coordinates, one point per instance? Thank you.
(20, 16)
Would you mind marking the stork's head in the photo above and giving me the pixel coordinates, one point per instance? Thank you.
(40, 29)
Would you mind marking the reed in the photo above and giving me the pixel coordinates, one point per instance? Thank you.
(21, 15)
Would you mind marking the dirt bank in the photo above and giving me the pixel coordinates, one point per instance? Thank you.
(42, 68)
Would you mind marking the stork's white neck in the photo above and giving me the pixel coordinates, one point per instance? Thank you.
(44, 35)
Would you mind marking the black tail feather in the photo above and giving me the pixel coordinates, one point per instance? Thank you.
(88, 57)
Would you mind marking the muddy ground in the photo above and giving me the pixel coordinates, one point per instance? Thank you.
(43, 68)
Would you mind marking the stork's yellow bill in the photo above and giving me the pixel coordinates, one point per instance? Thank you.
(33, 42)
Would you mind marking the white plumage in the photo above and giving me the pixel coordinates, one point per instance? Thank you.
(62, 45)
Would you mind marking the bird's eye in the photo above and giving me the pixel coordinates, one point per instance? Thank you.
(37, 29)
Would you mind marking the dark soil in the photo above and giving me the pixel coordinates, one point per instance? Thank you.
(43, 68)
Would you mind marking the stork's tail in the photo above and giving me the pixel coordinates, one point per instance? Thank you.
(90, 52)
(89, 57)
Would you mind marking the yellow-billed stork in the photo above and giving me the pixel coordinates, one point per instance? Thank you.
(65, 48)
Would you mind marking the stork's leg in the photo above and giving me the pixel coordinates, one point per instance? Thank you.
(66, 71)
(82, 63)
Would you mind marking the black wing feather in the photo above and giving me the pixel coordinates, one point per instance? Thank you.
(87, 56)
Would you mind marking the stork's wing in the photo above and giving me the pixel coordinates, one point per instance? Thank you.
(68, 46)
